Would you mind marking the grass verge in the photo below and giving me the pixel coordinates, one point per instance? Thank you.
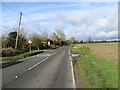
(21, 56)
(97, 71)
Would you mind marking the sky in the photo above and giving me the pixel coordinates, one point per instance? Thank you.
(98, 20)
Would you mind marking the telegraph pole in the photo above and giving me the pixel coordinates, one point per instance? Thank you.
(16, 44)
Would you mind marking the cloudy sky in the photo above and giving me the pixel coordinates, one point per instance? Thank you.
(98, 20)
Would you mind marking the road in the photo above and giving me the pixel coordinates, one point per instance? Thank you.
(51, 69)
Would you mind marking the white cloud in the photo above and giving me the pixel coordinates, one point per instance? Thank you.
(94, 23)
(109, 34)
(112, 33)
(103, 22)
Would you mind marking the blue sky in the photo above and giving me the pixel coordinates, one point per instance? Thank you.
(78, 19)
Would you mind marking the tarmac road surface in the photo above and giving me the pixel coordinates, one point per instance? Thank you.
(51, 69)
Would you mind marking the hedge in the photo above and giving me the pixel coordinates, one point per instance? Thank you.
(21, 56)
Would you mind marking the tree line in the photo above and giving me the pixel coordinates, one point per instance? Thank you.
(39, 41)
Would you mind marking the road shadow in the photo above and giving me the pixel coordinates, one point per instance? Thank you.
(7, 64)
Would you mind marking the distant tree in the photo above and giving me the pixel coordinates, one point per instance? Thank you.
(103, 40)
(55, 38)
(89, 39)
(44, 36)
(60, 35)
(22, 43)
(72, 40)
(81, 41)
(11, 40)
(36, 41)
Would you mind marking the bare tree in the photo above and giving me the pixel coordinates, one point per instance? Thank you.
(89, 39)
(60, 35)
(55, 38)
(36, 41)
(72, 40)
(44, 36)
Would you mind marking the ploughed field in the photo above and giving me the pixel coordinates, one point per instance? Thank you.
(108, 51)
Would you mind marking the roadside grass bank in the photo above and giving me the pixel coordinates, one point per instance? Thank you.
(96, 71)
(21, 56)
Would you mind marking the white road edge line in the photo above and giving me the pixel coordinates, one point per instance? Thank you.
(37, 64)
(72, 70)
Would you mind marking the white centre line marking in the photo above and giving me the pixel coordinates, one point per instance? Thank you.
(37, 64)
(72, 69)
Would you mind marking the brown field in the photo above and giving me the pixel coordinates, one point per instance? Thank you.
(108, 51)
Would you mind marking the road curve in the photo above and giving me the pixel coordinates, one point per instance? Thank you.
(51, 69)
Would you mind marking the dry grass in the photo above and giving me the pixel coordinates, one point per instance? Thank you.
(108, 51)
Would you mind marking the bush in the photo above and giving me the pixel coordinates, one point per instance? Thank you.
(7, 52)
